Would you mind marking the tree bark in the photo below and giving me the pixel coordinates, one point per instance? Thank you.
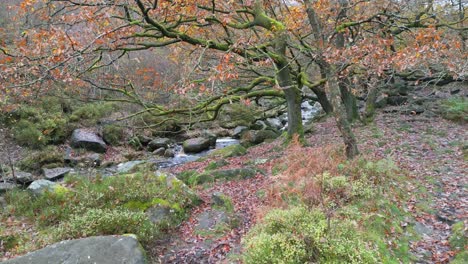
(369, 112)
(292, 93)
(349, 101)
(340, 114)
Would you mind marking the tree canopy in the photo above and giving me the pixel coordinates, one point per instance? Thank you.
(232, 51)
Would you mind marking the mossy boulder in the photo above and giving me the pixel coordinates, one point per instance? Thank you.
(113, 135)
(49, 157)
(193, 178)
(229, 151)
(255, 137)
(195, 145)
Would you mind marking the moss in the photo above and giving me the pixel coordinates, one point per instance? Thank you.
(229, 151)
(113, 135)
(91, 113)
(35, 160)
(216, 164)
(460, 258)
(458, 240)
(455, 109)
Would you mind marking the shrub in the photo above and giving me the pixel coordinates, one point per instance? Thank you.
(113, 135)
(298, 235)
(455, 109)
(35, 160)
(90, 113)
(27, 134)
(95, 221)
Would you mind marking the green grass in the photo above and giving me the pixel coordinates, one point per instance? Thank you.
(357, 221)
(87, 207)
(455, 109)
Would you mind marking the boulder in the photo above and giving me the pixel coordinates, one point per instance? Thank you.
(158, 143)
(99, 249)
(237, 133)
(254, 137)
(82, 138)
(210, 136)
(6, 186)
(229, 151)
(21, 177)
(274, 123)
(55, 173)
(38, 187)
(169, 153)
(195, 145)
(144, 140)
(159, 151)
(160, 214)
(128, 166)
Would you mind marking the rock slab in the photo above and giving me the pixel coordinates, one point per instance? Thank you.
(82, 138)
(195, 145)
(55, 173)
(99, 249)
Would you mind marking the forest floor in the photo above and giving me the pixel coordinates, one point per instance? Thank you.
(429, 149)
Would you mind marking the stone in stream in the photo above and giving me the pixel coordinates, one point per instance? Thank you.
(128, 166)
(159, 151)
(169, 153)
(55, 173)
(237, 133)
(195, 145)
(98, 249)
(158, 143)
(82, 138)
(254, 137)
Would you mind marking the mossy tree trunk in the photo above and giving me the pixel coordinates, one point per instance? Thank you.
(369, 111)
(340, 113)
(291, 91)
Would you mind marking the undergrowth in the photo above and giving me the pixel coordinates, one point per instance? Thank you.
(332, 211)
(88, 207)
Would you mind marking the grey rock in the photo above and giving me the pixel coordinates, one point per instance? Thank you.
(169, 153)
(3, 203)
(7, 186)
(210, 219)
(211, 137)
(38, 187)
(219, 199)
(99, 249)
(422, 229)
(145, 140)
(88, 140)
(55, 173)
(23, 177)
(237, 133)
(159, 214)
(158, 143)
(159, 151)
(274, 123)
(20, 177)
(254, 137)
(195, 145)
(95, 159)
(128, 166)
(259, 125)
